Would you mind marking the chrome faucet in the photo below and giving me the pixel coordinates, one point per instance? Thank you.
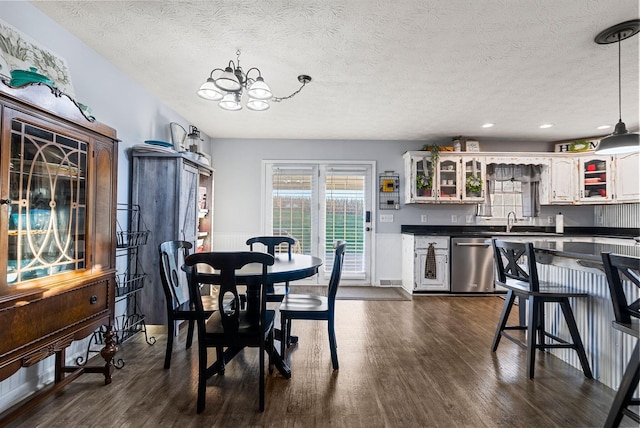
(510, 224)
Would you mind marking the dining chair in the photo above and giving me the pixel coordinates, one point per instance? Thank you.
(626, 311)
(314, 307)
(519, 275)
(231, 326)
(176, 293)
(271, 243)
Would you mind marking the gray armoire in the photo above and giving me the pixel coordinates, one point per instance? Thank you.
(175, 194)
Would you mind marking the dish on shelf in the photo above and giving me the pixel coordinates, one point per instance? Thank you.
(592, 180)
(158, 143)
(24, 77)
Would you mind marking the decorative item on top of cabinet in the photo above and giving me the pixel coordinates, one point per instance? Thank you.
(472, 146)
(57, 227)
(389, 196)
(175, 191)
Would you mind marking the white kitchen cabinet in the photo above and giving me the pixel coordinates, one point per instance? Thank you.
(415, 250)
(418, 165)
(448, 179)
(627, 184)
(595, 179)
(562, 179)
(443, 182)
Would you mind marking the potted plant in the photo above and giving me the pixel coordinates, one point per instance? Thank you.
(474, 184)
(424, 184)
(434, 149)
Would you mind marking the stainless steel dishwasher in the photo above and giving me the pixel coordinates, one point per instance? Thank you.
(471, 265)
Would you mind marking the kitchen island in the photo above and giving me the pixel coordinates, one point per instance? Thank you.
(576, 261)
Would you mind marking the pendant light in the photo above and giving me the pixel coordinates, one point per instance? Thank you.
(620, 141)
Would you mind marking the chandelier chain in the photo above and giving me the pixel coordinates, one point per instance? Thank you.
(279, 99)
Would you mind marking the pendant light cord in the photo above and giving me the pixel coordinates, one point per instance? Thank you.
(619, 80)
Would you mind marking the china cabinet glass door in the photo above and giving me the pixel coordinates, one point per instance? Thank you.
(47, 210)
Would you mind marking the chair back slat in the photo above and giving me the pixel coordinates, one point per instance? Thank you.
(336, 271)
(510, 257)
(620, 268)
(172, 254)
(273, 242)
(227, 263)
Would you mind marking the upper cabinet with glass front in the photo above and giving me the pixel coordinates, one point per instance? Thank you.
(452, 179)
(473, 178)
(595, 179)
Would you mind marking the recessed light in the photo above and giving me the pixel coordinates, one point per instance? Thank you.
(488, 125)
(604, 127)
(546, 125)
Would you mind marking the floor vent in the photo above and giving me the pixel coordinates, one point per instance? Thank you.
(390, 282)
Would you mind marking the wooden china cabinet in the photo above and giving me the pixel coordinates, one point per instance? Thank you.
(57, 234)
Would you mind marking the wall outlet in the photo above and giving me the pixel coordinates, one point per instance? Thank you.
(386, 218)
(454, 218)
(550, 219)
(423, 218)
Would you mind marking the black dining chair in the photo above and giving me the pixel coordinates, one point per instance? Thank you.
(519, 275)
(314, 307)
(176, 293)
(272, 243)
(231, 326)
(626, 311)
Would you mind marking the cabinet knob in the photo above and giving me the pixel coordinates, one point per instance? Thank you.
(5, 201)
(93, 300)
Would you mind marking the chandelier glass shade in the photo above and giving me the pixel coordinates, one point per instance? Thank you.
(232, 82)
(621, 140)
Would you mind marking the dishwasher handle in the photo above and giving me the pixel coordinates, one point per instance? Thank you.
(472, 244)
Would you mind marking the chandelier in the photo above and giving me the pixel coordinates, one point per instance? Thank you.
(233, 82)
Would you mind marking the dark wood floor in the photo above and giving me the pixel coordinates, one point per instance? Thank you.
(424, 362)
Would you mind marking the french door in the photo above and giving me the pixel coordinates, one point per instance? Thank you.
(318, 204)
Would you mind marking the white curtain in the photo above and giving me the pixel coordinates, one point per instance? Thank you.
(527, 175)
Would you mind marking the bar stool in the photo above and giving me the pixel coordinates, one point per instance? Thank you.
(525, 285)
(627, 320)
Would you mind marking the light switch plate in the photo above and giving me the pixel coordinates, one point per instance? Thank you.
(423, 218)
(454, 218)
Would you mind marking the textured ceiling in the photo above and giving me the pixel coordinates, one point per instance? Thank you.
(382, 70)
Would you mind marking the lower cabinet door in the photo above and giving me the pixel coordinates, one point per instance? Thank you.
(429, 278)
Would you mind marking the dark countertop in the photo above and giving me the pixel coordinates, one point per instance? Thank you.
(526, 230)
(585, 250)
